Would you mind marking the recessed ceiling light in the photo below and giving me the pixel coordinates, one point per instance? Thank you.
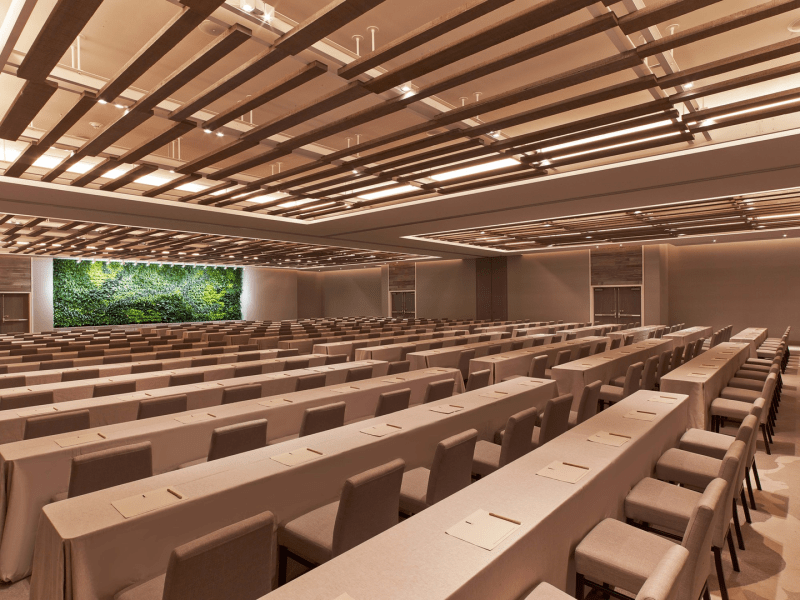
(207, 130)
(101, 101)
(795, 27)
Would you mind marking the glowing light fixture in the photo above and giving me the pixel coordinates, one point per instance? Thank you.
(785, 216)
(476, 169)
(151, 180)
(191, 187)
(403, 189)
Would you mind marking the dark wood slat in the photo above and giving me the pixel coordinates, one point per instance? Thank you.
(32, 153)
(496, 33)
(647, 17)
(736, 83)
(309, 72)
(422, 35)
(729, 23)
(677, 139)
(749, 118)
(207, 191)
(710, 113)
(497, 172)
(731, 63)
(234, 37)
(27, 104)
(63, 24)
(128, 177)
(96, 171)
(432, 164)
(170, 185)
(161, 140)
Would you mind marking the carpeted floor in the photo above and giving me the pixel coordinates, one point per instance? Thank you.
(770, 563)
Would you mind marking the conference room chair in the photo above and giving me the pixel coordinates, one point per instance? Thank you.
(461, 342)
(284, 352)
(36, 427)
(390, 402)
(478, 379)
(677, 357)
(664, 506)
(369, 505)
(494, 349)
(617, 555)
(450, 472)
(247, 370)
(615, 343)
(117, 359)
(240, 393)
(57, 365)
(107, 468)
(651, 334)
(664, 361)
(204, 361)
(80, 375)
(12, 382)
(210, 351)
(649, 373)
(736, 409)
(335, 359)
(185, 379)
(322, 418)
(698, 347)
(435, 345)
(247, 356)
(237, 438)
(439, 390)
(358, 374)
(516, 442)
(231, 562)
(572, 336)
(628, 340)
(158, 407)
(147, 368)
(25, 400)
(463, 362)
(600, 348)
(517, 345)
(611, 394)
(587, 406)
(413, 338)
(688, 353)
(168, 354)
(555, 420)
(562, 358)
(399, 366)
(538, 342)
(585, 351)
(484, 338)
(113, 388)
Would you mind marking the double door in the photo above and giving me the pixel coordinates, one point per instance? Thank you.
(403, 305)
(617, 304)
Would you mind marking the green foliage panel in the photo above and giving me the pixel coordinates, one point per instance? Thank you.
(99, 293)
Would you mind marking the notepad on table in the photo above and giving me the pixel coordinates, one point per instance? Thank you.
(77, 440)
(195, 418)
(381, 430)
(40, 410)
(641, 415)
(447, 409)
(297, 457)
(664, 399)
(563, 471)
(609, 439)
(484, 529)
(147, 502)
(276, 402)
(346, 390)
(495, 395)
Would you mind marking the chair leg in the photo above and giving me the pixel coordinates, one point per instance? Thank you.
(745, 507)
(579, 585)
(750, 489)
(736, 524)
(766, 441)
(723, 590)
(732, 551)
(283, 560)
(706, 593)
(755, 474)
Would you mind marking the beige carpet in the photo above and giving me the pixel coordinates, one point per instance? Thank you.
(770, 563)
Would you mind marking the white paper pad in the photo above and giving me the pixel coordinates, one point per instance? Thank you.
(609, 439)
(447, 409)
(41, 410)
(483, 529)
(147, 502)
(346, 390)
(77, 440)
(641, 415)
(495, 395)
(381, 430)
(561, 471)
(664, 399)
(275, 402)
(297, 457)
(393, 380)
(195, 418)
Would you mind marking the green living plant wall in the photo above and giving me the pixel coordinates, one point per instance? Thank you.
(100, 293)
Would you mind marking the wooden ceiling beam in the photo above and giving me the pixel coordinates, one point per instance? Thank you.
(174, 132)
(653, 15)
(96, 171)
(170, 185)
(736, 83)
(25, 106)
(207, 191)
(129, 177)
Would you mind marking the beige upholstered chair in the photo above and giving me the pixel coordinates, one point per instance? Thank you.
(240, 393)
(107, 468)
(478, 379)
(310, 382)
(358, 374)
(296, 363)
(232, 562)
(335, 359)
(555, 420)
(369, 504)
(677, 357)
(185, 379)
(390, 402)
(399, 366)
(113, 388)
(12, 382)
(615, 343)
(36, 427)
(204, 361)
(587, 407)
(664, 362)
(322, 418)
(611, 394)
(238, 438)
(79, 375)
(439, 390)
(157, 407)
(516, 442)
(562, 358)
(450, 472)
(247, 370)
(26, 399)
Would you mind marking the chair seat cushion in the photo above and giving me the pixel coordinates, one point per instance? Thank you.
(754, 371)
(153, 589)
(745, 383)
(573, 418)
(486, 459)
(619, 554)
(687, 468)
(311, 536)
(414, 491)
(740, 394)
(618, 381)
(611, 393)
(706, 443)
(730, 409)
(663, 505)
(758, 361)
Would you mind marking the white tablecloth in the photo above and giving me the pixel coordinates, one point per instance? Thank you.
(448, 357)
(752, 336)
(703, 378)
(638, 333)
(349, 347)
(85, 545)
(690, 335)
(418, 560)
(508, 328)
(33, 471)
(393, 352)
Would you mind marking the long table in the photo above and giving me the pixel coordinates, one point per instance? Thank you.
(509, 328)
(393, 352)
(703, 378)
(85, 549)
(448, 357)
(33, 471)
(517, 362)
(418, 559)
(753, 336)
(638, 333)
(689, 335)
(573, 376)
(124, 407)
(349, 347)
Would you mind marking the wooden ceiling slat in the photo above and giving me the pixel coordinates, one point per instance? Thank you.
(128, 177)
(311, 71)
(653, 15)
(171, 185)
(422, 35)
(161, 140)
(33, 152)
(25, 106)
(749, 118)
(207, 191)
(63, 25)
(96, 171)
(710, 113)
(736, 83)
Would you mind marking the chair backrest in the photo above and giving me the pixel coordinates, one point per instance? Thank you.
(390, 402)
(322, 418)
(284, 352)
(57, 364)
(232, 562)
(148, 367)
(517, 436)
(451, 470)
(117, 359)
(358, 374)
(310, 382)
(563, 357)
(688, 353)
(463, 361)
(435, 345)
(662, 582)
(157, 407)
(538, 366)
(113, 388)
(649, 372)
(247, 370)
(335, 359)
(26, 399)
(369, 505)
(78, 375)
(399, 366)
(114, 466)
(494, 349)
(587, 407)
(555, 419)
(185, 379)
(12, 382)
(698, 347)
(585, 351)
(600, 348)
(615, 342)
(296, 363)
(36, 427)
(651, 334)
(628, 339)
(677, 357)
(439, 390)
(240, 393)
(730, 470)
(697, 540)
(663, 363)
(238, 438)
(633, 378)
(478, 379)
